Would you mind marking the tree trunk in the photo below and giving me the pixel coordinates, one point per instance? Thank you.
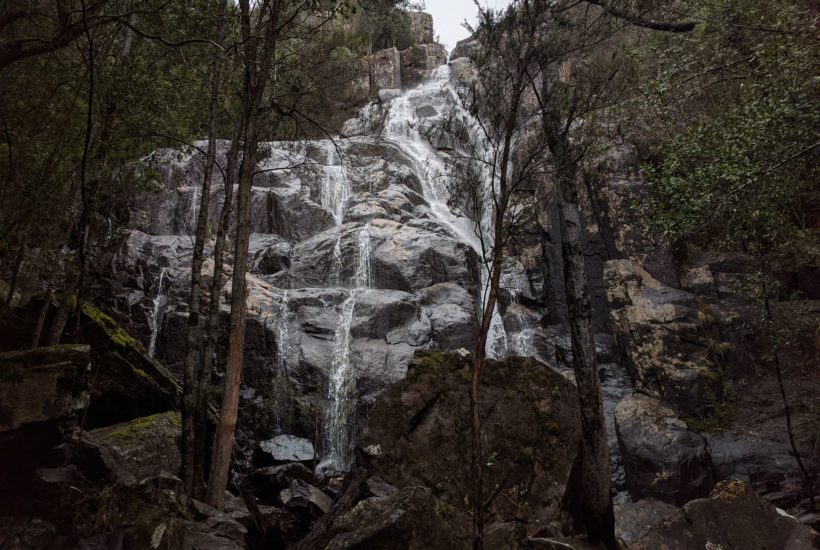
(193, 333)
(808, 482)
(41, 320)
(67, 302)
(18, 261)
(479, 358)
(220, 461)
(258, 63)
(212, 323)
(595, 500)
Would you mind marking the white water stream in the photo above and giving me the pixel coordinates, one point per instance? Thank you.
(404, 129)
(339, 428)
(157, 313)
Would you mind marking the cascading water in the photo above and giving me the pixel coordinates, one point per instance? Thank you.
(335, 188)
(282, 404)
(403, 128)
(194, 207)
(157, 312)
(339, 427)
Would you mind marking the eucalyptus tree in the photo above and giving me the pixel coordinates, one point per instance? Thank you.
(495, 164)
(270, 37)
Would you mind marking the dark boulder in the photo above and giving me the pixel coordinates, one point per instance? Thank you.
(633, 520)
(148, 445)
(411, 518)
(43, 384)
(304, 499)
(733, 516)
(128, 383)
(662, 458)
(417, 434)
(268, 482)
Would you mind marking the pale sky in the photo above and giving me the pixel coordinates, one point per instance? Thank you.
(449, 14)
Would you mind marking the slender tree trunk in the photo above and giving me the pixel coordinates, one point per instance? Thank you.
(189, 392)
(212, 323)
(808, 482)
(596, 499)
(223, 442)
(67, 302)
(479, 358)
(18, 261)
(41, 320)
(258, 63)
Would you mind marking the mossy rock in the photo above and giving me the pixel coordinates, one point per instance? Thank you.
(148, 445)
(127, 382)
(418, 434)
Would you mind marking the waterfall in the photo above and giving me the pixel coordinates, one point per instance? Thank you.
(194, 207)
(336, 264)
(403, 129)
(335, 189)
(157, 312)
(339, 430)
(281, 373)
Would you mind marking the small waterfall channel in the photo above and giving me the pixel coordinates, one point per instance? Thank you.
(335, 188)
(339, 427)
(282, 397)
(157, 312)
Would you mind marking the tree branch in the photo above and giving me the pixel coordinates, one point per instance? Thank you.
(637, 20)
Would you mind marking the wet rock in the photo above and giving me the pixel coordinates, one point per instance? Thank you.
(148, 445)
(462, 71)
(289, 211)
(661, 457)
(404, 257)
(733, 516)
(452, 315)
(764, 464)
(421, 27)
(288, 448)
(418, 62)
(412, 257)
(303, 498)
(43, 384)
(388, 95)
(417, 433)
(385, 67)
(409, 519)
(273, 257)
(426, 111)
(661, 336)
(267, 482)
(633, 520)
(468, 47)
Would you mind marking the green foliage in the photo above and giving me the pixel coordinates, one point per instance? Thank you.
(737, 124)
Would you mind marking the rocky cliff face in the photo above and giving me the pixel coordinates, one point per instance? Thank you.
(359, 269)
(358, 262)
